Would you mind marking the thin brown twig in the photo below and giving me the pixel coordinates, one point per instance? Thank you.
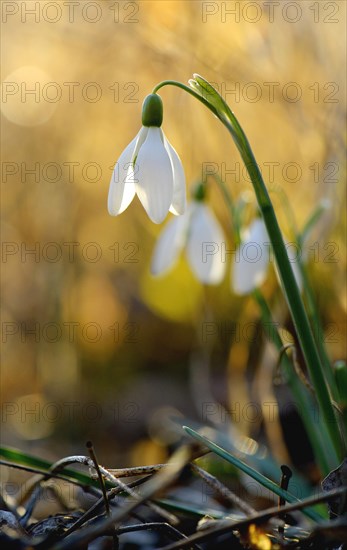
(92, 454)
(222, 490)
(111, 494)
(225, 525)
(157, 483)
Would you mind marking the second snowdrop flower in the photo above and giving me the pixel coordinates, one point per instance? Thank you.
(251, 259)
(199, 233)
(149, 167)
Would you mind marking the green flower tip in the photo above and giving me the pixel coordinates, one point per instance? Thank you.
(199, 192)
(152, 111)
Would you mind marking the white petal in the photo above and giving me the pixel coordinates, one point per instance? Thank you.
(140, 139)
(179, 200)
(205, 246)
(154, 176)
(122, 187)
(169, 244)
(251, 259)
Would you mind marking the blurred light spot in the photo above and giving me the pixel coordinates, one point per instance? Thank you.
(29, 96)
(175, 296)
(100, 320)
(147, 452)
(248, 446)
(32, 417)
(58, 358)
(162, 429)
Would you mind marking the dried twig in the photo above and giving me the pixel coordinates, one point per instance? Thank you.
(222, 490)
(90, 448)
(223, 526)
(163, 479)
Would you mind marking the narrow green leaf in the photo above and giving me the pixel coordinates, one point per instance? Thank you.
(19, 457)
(264, 481)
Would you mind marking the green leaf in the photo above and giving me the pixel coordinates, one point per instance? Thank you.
(264, 481)
(19, 457)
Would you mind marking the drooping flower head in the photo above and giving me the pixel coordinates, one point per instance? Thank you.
(199, 233)
(251, 260)
(149, 167)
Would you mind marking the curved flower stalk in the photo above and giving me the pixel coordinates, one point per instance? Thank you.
(149, 167)
(206, 94)
(199, 233)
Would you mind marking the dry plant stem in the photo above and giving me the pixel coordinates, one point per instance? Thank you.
(225, 526)
(222, 490)
(42, 476)
(92, 454)
(86, 461)
(291, 290)
(136, 470)
(153, 526)
(155, 507)
(96, 506)
(160, 481)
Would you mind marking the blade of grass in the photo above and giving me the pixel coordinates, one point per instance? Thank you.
(260, 460)
(264, 481)
(312, 309)
(19, 457)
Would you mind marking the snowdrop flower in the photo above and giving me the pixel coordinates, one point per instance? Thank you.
(199, 232)
(251, 259)
(149, 167)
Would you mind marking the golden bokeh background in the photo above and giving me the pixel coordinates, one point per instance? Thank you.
(93, 346)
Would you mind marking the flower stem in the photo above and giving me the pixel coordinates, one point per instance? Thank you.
(315, 429)
(291, 290)
(305, 405)
(310, 301)
(290, 287)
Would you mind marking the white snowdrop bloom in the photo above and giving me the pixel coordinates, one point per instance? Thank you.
(251, 260)
(199, 233)
(149, 167)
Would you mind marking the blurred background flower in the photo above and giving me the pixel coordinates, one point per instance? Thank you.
(199, 233)
(93, 345)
